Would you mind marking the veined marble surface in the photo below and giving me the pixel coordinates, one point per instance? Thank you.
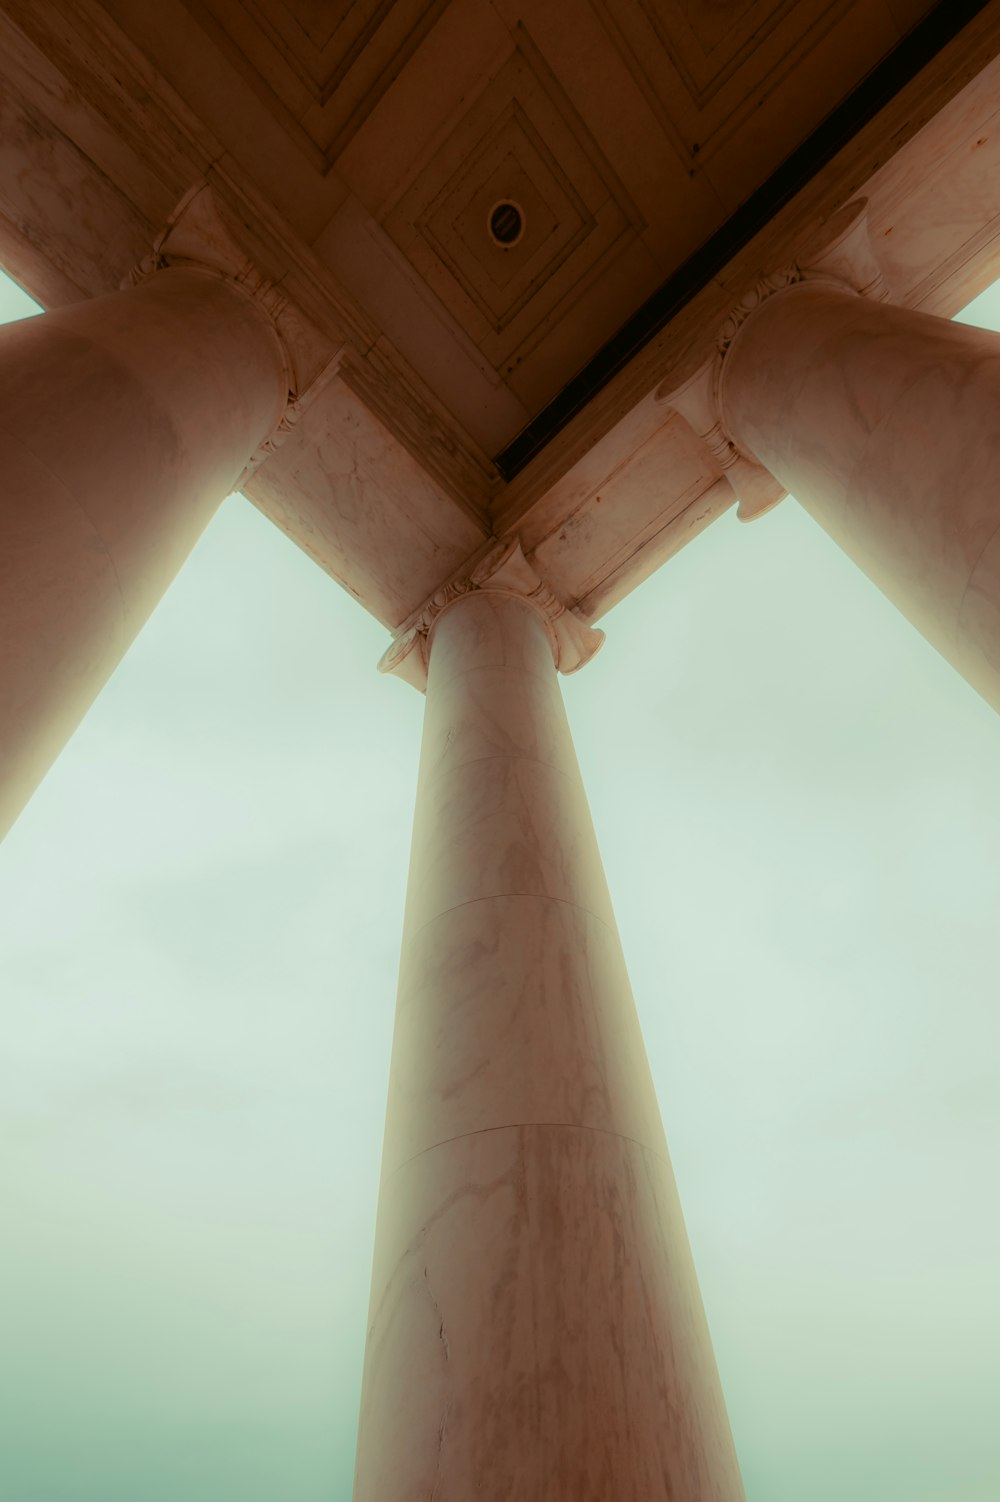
(883, 422)
(536, 1330)
(124, 422)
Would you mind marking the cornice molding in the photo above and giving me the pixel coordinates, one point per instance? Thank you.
(502, 570)
(839, 255)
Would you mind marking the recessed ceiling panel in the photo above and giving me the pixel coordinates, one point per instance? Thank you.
(322, 67)
(511, 167)
(522, 144)
(708, 70)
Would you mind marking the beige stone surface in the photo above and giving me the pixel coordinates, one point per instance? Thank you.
(536, 1329)
(124, 421)
(388, 531)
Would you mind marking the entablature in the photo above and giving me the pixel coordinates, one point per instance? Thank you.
(352, 163)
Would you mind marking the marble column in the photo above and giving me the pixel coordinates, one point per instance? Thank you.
(536, 1331)
(884, 423)
(124, 421)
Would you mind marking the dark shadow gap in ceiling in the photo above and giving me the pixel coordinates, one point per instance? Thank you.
(900, 67)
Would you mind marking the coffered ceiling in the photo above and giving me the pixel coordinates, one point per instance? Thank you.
(626, 131)
(358, 149)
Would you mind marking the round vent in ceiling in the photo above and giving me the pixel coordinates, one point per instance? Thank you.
(506, 223)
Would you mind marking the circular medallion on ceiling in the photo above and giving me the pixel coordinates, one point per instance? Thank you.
(506, 223)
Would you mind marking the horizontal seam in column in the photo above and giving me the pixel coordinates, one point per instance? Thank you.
(75, 501)
(517, 1126)
(506, 896)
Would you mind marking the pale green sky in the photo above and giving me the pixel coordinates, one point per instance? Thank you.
(799, 808)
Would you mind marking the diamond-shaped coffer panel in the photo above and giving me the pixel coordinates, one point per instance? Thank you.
(321, 65)
(520, 141)
(512, 162)
(705, 69)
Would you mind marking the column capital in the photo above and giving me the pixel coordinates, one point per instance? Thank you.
(839, 254)
(197, 237)
(503, 570)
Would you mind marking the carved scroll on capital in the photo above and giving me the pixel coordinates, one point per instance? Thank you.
(754, 487)
(839, 253)
(503, 570)
(197, 236)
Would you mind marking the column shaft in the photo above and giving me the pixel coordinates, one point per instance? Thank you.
(885, 424)
(536, 1330)
(123, 423)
